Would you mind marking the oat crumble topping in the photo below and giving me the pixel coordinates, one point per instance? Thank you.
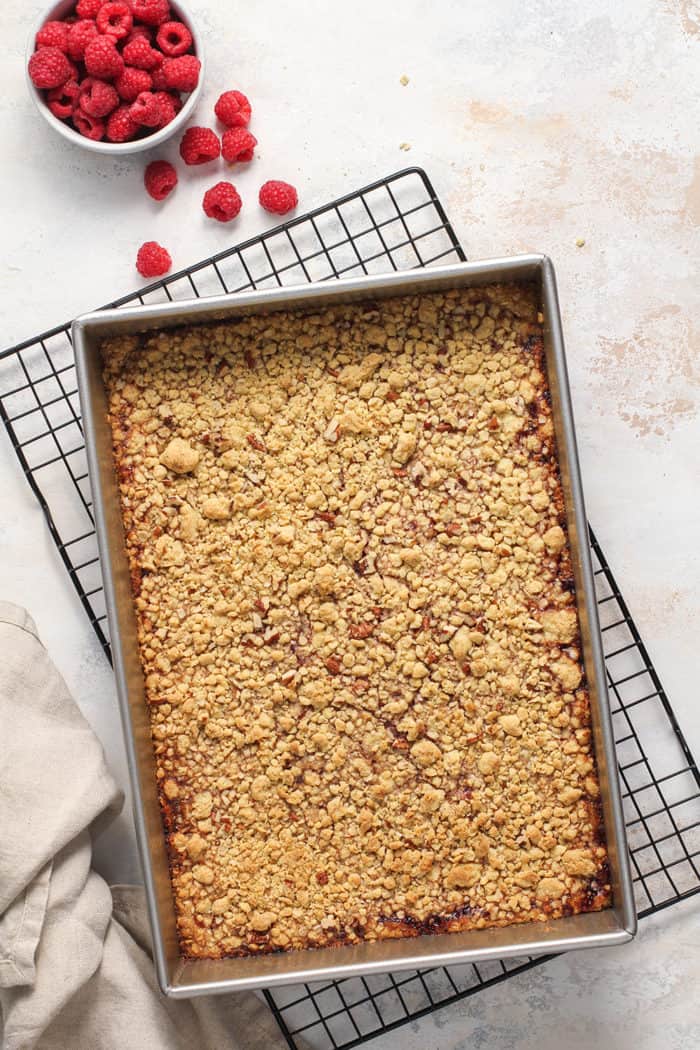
(357, 624)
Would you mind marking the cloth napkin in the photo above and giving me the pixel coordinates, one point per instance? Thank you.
(75, 965)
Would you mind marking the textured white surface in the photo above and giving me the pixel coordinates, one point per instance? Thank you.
(540, 123)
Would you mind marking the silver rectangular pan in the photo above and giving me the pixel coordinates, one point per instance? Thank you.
(180, 978)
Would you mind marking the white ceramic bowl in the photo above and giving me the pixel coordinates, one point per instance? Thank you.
(115, 149)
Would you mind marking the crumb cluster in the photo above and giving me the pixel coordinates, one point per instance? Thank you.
(357, 623)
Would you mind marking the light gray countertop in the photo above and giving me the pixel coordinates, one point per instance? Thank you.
(541, 124)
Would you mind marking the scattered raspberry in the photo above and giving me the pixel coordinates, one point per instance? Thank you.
(132, 82)
(79, 36)
(152, 12)
(97, 98)
(90, 127)
(160, 179)
(88, 8)
(115, 19)
(237, 144)
(49, 68)
(53, 34)
(102, 59)
(182, 73)
(199, 145)
(233, 109)
(120, 126)
(169, 106)
(278, 197)
(174, 38)
(139, 53)
(146, 110)
(64, 99)
(153, 260)
(222, 202)
(158, 77)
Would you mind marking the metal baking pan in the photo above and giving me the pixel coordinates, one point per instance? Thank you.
(179, 978)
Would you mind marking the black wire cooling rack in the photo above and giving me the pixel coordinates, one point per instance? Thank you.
(394, 223)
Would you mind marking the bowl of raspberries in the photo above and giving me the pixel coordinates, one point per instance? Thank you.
(115, 76)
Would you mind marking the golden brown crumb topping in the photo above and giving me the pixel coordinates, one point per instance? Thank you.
(357, 623)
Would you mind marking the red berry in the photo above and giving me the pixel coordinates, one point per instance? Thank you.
(278, 197)
(160, 179)
(64, 99)
(139, 32)
(102, 59)
(132, 82)
(120, 126)
(158, 77)
(152, 12)
(79, 36)
(199, 145)
(174, 38)
(97, 98)
(182, 73)
(237, 144)
(139, 53)
(88, 8)
(233, 109)
(53, 34)
(222, 202)
(115, 19)
(90, 127)
(169, 106)
(153, 260)
(49, 68)
(146, 110)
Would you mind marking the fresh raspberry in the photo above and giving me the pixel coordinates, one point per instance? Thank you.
(139, 53)
(233, 109)
(199, 145)
(139, 32)
(177, 101)
(182, 73)
(97, 98)
(146, 110)
(79, 36)
(222, 202)
(152, 12)
(174, 38)
(160, 179)
(115, 19)
(278, 197)
(166, 101)
(158, 77)
(120, 126)
(53, 34)
(49, 68)
(132, 82)
(90, 127)
(88, 8)
(102, 59)
(64, 99)
(153, 260)
(237, 144)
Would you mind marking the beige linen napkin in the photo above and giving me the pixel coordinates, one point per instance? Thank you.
(75, 966)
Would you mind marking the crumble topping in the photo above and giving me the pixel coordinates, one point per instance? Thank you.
(357, 623)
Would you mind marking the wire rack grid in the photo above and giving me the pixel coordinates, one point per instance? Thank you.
(394, 223)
